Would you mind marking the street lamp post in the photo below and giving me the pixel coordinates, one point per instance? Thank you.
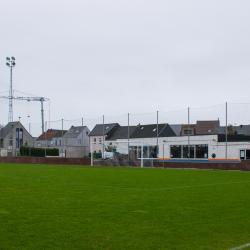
(19, 136)
(10, 63)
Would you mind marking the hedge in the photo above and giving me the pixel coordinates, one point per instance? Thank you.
(96, 155)
(39, 152)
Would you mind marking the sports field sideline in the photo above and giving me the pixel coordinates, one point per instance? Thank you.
(84, 207)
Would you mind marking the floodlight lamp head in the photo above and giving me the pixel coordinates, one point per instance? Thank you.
(7, 58)
(13, 63)
(7, 64)
(13, 58)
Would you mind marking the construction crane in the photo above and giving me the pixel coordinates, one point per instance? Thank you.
(40, 99)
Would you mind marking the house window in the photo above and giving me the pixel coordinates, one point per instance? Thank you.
(56, 142)
(60, 142)
(79, 141)
(100, 151)
(94, 139)
(242, 154)
(175, 151)
(187, 132)
(201, 151)
(247, 154)
(100, 139)
(26, 143)
(39, 145)
(87, 133)
(19, 136)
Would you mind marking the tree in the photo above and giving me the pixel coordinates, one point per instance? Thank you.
(230, 130)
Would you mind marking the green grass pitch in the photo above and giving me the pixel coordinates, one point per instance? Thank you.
(84, 207)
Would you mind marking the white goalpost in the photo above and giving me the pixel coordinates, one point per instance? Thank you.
(121, 153)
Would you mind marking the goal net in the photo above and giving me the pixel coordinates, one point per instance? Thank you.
(122, 153)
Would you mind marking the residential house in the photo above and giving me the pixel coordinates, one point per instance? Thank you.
(76, 141)
(206, 127)
(99, 134)
(11, 135)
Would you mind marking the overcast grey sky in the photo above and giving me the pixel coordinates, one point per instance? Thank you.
(94, 58)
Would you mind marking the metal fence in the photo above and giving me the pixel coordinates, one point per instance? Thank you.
(226, 113)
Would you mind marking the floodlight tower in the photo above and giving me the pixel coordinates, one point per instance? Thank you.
(10, 63)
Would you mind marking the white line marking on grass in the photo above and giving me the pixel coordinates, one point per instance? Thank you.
(139, 189)
(203, 185)
(240, 247)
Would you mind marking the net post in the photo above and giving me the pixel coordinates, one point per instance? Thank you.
(91, 153)
(29, 140)
(82, 137)
(45, 138)
(141, 154)
(163, 154)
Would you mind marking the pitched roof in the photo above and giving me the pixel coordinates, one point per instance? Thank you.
(74, 132)
(45, 136)
(167, 131)
(108, 129)
(147, 131)
(59, 133)
(122, 133)
(176, 128)
(241, 130)
(7, 129)
(206, 127)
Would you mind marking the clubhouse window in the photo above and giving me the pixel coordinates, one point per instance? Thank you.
(196, 151)
(175, 151)
(201, 151)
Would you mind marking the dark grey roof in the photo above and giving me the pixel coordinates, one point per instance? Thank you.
(7, 129)
(242, 129)
(121, 133)
(147, 131)
(73, 132)
(59, 134)
(176, 128)
(167, 131)
(108, 129)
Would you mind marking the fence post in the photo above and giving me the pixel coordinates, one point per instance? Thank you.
(82, 137)
(128, 136)
(62, 137)
(163, 155)
(226, 131)
(45, 138)
(29, 139)
(188, 138)
(157, 154)
(103, 139)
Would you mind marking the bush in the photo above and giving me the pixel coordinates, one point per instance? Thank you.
(39, 152)
(96, 155)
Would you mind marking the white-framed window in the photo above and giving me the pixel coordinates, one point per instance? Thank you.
(38, 144)
(56, 142)
(60, 142)
(100, 139)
